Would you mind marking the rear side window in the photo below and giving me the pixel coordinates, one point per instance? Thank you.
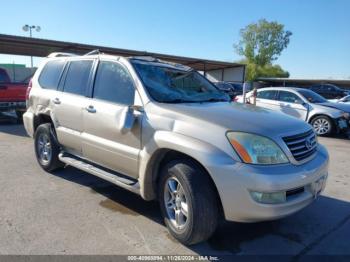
(316, 88)
(51, 73)
(114, 84)
(271, 94)
(77, 78)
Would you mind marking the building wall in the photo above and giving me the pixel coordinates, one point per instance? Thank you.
(234, 74)
(18, 73)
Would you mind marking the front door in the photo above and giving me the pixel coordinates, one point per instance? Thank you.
(103, 140)
(291, 104)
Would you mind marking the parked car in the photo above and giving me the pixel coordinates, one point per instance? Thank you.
(232, 89)
(325, 117)
(345, 99)
(12, 95)
(163, 131)
(329, 91)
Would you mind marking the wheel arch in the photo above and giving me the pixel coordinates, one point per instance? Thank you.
(322, 114)
(41, 118)
(335, 127)
(163, 156)
(166, 146)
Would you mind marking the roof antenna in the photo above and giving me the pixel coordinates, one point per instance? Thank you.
(93, 52)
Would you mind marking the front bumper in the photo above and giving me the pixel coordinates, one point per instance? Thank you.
(343, 125)
(234, 183)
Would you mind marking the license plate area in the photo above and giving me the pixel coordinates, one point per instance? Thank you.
(317, 186)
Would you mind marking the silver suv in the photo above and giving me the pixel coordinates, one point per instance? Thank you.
(163, 131)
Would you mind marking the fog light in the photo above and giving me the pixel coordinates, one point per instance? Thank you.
(269, 198)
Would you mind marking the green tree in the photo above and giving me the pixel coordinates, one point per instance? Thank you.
(262, 43)
(254, 71)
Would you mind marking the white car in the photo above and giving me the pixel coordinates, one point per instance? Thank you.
(345, 99)
(325, 117)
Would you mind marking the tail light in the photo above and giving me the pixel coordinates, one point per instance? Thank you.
(236, 99)
(28, 89)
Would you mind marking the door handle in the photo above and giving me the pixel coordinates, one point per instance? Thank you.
(57, 101)
(90, 109)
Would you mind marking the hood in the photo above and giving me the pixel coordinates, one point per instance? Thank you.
(235, 117)
(341, 106)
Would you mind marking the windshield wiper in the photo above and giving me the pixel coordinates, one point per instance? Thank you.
(179, 100)
(215, 100)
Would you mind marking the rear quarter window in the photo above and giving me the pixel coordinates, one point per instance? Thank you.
(77, 78)
(51, 73)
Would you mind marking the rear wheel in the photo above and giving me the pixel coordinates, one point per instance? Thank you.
(322, 125)
(188, 202)
(47, 148)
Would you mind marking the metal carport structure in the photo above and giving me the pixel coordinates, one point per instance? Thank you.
(214, 70)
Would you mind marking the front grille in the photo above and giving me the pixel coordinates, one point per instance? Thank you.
(302, 145)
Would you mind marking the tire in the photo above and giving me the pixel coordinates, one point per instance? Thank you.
(323, 125)
(19, 115)
(47, 148)
(197, 193)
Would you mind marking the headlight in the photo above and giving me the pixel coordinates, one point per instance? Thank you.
(345, 115)
(254, 149)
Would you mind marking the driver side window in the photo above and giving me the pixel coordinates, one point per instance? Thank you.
(114, 84)
(289, 97)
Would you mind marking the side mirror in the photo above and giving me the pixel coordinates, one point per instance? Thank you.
(306, 105)
(128, 117)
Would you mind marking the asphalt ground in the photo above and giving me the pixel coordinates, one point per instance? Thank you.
(72, 212)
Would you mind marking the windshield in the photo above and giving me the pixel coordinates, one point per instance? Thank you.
(312, 97)
(237, 87)
(3, 76)
(346, 99)
(167, 84)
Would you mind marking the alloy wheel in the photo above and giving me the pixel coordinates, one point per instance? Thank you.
(44, 149)
(321, 126)
(176, 204)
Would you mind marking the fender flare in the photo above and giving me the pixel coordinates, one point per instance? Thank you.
(163, 141)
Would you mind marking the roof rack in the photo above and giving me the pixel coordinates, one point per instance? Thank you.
(93, 52)
(60, 54)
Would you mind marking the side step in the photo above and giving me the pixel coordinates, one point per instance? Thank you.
(106, 174)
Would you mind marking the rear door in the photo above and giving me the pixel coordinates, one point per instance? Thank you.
(267, 99)
(69, 103)
(291, 104)
(103, 141)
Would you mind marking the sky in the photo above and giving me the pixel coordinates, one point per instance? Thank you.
(319, 46)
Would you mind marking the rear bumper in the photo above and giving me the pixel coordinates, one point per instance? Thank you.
(234, 184)
(7, 106)
(28, 121)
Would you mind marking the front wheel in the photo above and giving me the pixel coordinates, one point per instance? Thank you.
(188, 202)
(322, 125)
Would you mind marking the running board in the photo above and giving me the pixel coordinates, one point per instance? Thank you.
(109, 175)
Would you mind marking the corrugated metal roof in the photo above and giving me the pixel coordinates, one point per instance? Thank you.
(19, 45)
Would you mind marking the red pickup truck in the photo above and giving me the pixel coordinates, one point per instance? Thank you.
(12, 95)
